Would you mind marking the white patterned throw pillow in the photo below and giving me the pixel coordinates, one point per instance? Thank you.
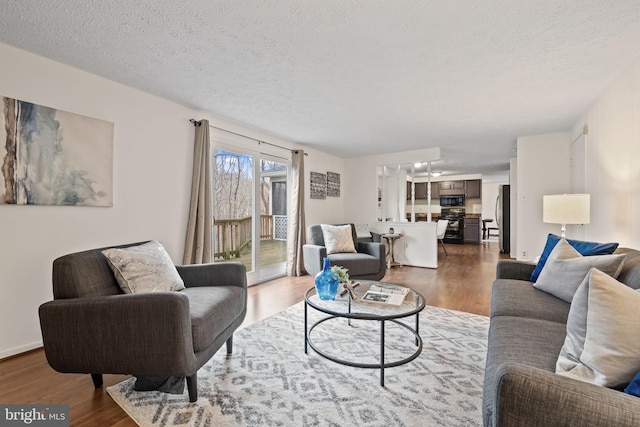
(337, 238)
(144, 268)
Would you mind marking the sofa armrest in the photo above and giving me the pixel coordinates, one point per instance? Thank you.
(374, 249)
(141, 334)
(215, 274)
(512, 269)
(313, 256)
(527, 396)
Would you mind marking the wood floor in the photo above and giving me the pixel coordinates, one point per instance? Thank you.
(462, 282)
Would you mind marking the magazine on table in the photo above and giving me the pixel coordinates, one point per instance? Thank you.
(386, 294)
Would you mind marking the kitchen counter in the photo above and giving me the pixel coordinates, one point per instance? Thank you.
(423, 217)
(418, 245)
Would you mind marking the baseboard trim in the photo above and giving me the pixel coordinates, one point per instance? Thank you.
(18, 350)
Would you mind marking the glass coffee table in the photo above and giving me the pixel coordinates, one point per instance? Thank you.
(347, 308)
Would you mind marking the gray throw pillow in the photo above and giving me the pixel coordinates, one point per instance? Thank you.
(576, 327)
(602, 346)
(566, 268)
(144, 268)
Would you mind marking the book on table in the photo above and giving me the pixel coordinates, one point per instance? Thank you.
(386, 294)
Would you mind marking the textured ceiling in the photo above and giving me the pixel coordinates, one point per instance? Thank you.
(353, 77)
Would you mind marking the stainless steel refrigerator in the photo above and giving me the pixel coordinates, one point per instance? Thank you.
(503, 218)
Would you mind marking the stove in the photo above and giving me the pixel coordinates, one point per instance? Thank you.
(455, 230)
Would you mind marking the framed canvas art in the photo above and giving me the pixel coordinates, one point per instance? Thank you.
(53, 157)
(333, 184)
(318, 185)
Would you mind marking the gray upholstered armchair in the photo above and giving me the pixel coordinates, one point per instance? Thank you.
(92, 327)
(367, 263)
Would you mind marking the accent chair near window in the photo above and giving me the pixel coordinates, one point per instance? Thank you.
(367, 261)
(93, 327)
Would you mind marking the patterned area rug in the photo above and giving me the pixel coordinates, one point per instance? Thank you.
(270, 381)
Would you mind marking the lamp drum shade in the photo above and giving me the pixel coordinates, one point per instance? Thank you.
(566, 208)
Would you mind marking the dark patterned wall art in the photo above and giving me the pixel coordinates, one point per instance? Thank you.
(53, 157)
(318, 185)
(333, 184)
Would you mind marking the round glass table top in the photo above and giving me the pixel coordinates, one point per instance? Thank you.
(343, 306)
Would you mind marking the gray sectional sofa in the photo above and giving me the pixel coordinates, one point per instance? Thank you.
(527, 331)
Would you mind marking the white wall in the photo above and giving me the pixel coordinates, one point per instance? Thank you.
(612, 170)
(513, 198)
(152, 155)
(612, 166)
(331, 209)
(153, 146)
(489, 196)
(360, 186)
(542, 168)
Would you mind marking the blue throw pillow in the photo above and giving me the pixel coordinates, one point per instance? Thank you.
(634, 386)
(585, 249)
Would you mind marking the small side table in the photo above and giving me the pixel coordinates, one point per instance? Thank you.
(391, 238)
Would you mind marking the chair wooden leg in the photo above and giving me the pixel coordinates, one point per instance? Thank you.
(97, 380)
(192, 387)
(230, 345)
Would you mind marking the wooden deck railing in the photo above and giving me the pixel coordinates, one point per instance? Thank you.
(266, 227)
(233, 235)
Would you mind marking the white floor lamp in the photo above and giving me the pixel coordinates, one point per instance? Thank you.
(566, 209)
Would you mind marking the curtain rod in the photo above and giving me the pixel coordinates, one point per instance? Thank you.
(198, 123)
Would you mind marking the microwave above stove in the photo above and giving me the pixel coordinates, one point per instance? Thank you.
(450, 201)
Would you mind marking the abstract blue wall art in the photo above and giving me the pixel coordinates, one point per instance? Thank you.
(53, 157)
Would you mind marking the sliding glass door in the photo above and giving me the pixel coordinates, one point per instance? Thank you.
(250, 212)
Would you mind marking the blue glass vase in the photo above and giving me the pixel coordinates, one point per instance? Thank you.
(326, 282)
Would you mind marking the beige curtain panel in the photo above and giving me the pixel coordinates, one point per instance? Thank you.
(198, 244)
(295, 264)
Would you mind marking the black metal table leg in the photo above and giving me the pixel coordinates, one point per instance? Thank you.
(382, 353)
(305, 328)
